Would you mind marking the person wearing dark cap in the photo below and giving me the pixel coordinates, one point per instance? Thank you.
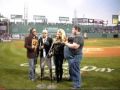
(31, 44)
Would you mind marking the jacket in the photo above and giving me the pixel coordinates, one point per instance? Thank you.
(29, 41)
(58, 48)
(47, 45)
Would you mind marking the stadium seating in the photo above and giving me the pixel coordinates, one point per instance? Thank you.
(92, 31)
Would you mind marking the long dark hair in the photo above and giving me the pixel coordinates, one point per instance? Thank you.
(31, 29)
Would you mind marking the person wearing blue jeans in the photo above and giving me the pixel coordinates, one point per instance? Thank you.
(73, 53)
(31, 44)
(75, 70)
(31, 69)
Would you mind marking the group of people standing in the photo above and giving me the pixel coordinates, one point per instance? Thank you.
(61, 47)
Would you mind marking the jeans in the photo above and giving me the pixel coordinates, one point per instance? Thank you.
(74, 70)
(32, 68)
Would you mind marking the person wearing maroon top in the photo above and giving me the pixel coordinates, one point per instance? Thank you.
(31, 44)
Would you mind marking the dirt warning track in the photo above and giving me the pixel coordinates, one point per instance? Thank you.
(101, 51)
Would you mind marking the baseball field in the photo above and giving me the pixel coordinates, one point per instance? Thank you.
(100, 67)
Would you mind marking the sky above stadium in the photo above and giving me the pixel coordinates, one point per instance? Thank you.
(52, 9)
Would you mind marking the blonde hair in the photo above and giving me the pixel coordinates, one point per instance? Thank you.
(63, 35)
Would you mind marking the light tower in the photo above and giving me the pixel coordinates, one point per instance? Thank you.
(25, 13)
(75, 17)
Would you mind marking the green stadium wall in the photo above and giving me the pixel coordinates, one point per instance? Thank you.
(52, 28)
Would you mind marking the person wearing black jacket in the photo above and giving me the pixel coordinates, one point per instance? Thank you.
(45, 43)
(31, 44)
(58, 52)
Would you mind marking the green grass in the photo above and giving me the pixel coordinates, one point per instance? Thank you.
(102, 79)
(12, 76)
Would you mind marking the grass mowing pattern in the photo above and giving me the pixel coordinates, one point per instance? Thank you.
(13, 76)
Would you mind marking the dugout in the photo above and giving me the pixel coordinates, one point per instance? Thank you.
(115, 36)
